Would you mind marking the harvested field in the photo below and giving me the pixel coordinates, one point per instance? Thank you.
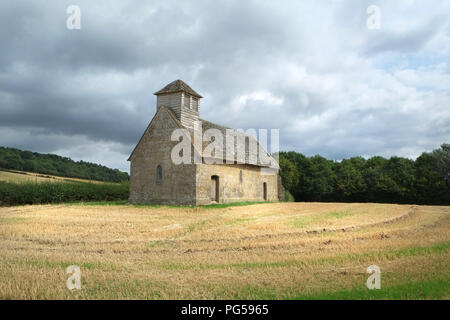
(260, 251)
(24, 176)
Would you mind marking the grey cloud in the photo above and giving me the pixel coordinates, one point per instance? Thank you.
(88, 93)
(408, 40)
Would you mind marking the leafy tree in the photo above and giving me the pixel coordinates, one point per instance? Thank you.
(288, 173)
(349, 181)
(318, 179)
(402, 172)
(430, 185)
(397, 180)
(442, 161)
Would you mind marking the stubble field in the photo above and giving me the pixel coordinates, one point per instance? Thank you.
(24, 176)
(260, 251)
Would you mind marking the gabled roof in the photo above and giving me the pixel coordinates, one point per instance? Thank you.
(178, 86)
(161, 109)
(248, 154)
(209, 125)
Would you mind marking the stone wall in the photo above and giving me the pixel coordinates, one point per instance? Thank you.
(231, 189)
(177, 185)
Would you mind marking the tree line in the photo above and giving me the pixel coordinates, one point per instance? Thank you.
(15, 159)
(425, 180)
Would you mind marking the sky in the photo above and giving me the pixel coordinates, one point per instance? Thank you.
(316, 70)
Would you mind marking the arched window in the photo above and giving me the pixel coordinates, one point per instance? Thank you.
(240, 176)
(159, 173)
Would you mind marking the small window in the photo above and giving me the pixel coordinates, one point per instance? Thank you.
(159, 173)
(194, 104)
(187, 101)
(240, 176)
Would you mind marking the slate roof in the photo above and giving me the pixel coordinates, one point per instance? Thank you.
(178, 86)
(210, 125)
(251, 156)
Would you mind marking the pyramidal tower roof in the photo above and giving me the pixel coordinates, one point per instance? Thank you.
(178, 86)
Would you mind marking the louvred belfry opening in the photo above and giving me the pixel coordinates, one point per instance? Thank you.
(182, 100)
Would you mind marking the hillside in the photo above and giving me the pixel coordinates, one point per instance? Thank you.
(14, 176)
(50, 164)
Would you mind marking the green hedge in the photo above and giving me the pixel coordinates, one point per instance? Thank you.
(58, 192)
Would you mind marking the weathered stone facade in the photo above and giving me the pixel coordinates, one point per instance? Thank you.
(154, 178)
(177, 185)
(233, 188)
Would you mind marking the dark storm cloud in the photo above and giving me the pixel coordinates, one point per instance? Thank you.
(306, 68)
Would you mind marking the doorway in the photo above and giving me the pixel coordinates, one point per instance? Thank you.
(215, 189)
(265, 191)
